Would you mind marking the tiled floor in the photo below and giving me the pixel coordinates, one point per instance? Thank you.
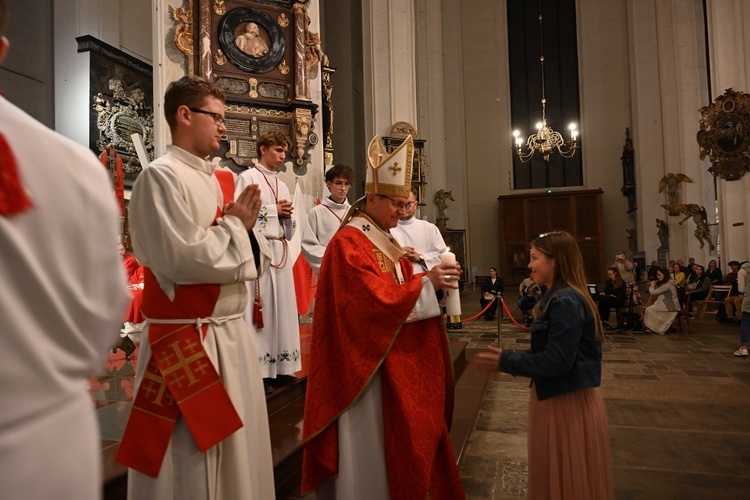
(679, 408)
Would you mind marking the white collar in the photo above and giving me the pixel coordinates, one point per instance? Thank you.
(407, 222)
(191, 160)
(327, 201)
(267, 172)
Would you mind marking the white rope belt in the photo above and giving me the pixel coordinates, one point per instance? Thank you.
(198, 322)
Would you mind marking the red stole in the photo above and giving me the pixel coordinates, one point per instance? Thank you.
(113, 163)
(359, 317)
(180, 378)
(13, 197)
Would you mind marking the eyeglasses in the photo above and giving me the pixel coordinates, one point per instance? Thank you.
(400, 205)
(218, 119)
(342, 184)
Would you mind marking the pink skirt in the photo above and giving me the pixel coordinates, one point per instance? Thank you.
(569, 451)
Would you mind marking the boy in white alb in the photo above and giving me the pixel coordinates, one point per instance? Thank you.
(271, 312)
(324, 220)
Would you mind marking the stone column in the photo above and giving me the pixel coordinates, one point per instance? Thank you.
(430, 97)
(389, 64)
(729, 48)
(669, 84)
(647, 120)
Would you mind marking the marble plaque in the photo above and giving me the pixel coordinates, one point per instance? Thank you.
(265, 127)
(247, 149)
(233, 85)
(237, 126)
(273, 90)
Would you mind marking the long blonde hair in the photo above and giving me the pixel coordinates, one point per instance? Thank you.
(562, 247)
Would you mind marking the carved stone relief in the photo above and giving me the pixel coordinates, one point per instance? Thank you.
(724, 134)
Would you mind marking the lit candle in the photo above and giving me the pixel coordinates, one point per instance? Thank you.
(452, 298)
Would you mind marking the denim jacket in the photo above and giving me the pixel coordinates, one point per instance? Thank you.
(565, 354)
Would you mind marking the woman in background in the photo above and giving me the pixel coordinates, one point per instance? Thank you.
(659, 316)
(490, 290)
(569, 447)
(613, 294)
(714, 273)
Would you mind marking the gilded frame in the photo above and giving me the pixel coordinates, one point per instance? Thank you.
(724, 135)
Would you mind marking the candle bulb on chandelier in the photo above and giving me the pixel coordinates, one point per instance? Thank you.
(573, 131)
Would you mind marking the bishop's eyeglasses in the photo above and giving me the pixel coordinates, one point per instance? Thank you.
(399, 205)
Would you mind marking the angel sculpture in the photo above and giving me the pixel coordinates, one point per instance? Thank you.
(698, 213)
(671, 183)
(441, 200)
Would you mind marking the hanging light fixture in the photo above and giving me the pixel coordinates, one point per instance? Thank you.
(546, 141)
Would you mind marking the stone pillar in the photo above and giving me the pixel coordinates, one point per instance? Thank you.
(669, 84)
(430, 98)
(166, 69)
(647, 120)
(389, 64)
(729, 49)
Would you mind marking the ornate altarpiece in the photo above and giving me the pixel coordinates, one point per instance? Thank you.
(263, 56)
(121, 104)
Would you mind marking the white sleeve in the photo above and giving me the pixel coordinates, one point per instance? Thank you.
(312, 249)
(427, 305)
(741, 280)
(437, 247)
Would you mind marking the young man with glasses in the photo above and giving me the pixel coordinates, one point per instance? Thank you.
(420, 239)
(199, 424)
(272, 310)
(380, 389)
(325, 219)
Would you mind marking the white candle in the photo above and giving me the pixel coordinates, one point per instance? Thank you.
(452, 298)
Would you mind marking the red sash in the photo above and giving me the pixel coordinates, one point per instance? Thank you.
(180, 378)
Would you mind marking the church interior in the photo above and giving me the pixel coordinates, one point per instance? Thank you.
(625, 123)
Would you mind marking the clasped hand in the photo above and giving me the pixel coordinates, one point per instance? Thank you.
(246, 206)
(284, 208)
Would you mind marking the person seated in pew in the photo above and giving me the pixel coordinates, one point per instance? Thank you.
(491, 289)
(614, 294)
(658, 317)
(697, 286)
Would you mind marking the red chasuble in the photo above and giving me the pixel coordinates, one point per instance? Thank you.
(358, 328)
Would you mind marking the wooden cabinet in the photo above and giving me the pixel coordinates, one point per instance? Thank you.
(523, 217)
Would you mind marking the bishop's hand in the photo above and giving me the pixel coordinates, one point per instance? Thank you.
(444, 276)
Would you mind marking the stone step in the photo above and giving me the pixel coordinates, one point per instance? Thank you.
(286, 423)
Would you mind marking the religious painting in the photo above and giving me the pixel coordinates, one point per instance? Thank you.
(121, 105)
(519, 260)
(455, 239)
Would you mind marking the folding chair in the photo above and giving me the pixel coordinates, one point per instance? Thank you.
(711, 300)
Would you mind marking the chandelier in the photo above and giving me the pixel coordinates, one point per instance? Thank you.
(546, 141)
